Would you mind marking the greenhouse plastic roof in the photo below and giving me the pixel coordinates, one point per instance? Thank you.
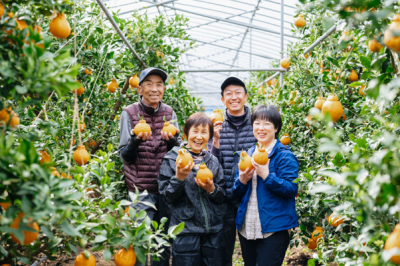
(223, 37)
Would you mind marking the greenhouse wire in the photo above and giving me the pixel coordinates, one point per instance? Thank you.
(245, 34)
(282, 55)
(114, 24)
(236, 70)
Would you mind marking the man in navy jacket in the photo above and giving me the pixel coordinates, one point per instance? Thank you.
(235, 133)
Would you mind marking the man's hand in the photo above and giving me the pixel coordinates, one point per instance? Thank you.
(217, 130)
(169, 136)
(208, 186)
(141, 136)
(182, 173)
(261, 170)
(245, 176)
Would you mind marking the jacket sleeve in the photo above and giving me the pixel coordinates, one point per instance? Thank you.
(218, 194)
(238, 188)
(168, 185)
(281, 182)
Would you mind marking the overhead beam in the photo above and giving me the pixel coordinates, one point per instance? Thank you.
(233, 49)
(114, 24)
(234, 70)
(226, 20)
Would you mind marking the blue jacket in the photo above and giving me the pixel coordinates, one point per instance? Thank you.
(202, 212)
(276, 194)
(233, 139)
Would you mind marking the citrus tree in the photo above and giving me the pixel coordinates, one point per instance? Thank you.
(58, 102)
(340, 107)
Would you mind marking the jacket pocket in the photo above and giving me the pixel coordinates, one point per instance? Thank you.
(220, 209)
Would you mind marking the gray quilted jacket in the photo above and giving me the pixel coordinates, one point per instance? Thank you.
(201, 212)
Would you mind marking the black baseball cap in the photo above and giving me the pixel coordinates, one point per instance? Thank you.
(232, 80)
(153, 71)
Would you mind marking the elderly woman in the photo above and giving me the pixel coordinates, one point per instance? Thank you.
(267, 210)
(199, 205)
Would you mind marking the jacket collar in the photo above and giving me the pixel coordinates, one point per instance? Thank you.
(247, 118)
(148, 109)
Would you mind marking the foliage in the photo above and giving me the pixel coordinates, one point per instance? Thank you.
(37, 70)
(352, 166)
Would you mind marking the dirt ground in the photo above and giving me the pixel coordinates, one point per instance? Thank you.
(297, 256)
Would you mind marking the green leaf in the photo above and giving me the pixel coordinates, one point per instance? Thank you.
(100, 239)
(107, 254)
(176, 229)
(68, 229)
(365, 61)
(140, 254)
(110, 220)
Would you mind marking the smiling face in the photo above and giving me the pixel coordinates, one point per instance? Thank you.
(264, 131)
(152, 89)
(234, 99)
(198, 137)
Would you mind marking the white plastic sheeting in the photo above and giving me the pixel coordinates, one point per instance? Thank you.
(223, 37)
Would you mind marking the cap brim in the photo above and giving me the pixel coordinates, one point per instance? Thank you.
(157, 72)
(232, 80)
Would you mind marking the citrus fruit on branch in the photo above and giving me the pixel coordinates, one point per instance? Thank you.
(125, 257)
(29, 236)
(59, 27)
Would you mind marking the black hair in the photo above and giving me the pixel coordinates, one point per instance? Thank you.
(234, 83)
(268, 113)
(197, 119)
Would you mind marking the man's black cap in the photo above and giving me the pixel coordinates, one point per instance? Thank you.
(152, 71)
(232, 80)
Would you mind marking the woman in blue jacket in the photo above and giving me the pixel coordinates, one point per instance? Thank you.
(267, 210)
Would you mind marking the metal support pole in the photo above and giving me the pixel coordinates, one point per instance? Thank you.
(235, 70)
(282, 7)
(114, 24)
(320, 39)
(271, 77)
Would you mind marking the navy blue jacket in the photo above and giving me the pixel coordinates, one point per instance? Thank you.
(234, 139)
(276, 194)
(202, 212)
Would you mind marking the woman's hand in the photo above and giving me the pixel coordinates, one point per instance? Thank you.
(182, 173)
(208, 186)
(261, 170)
(245, 176)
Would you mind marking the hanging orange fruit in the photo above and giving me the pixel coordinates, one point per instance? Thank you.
(54, 172)
(217, 116)
(318, 233)
(393, 42)
(300, 22)
(79, 91)
(5, 205)
(142, 127)
(319, 102)
(1, 10)
(312, 244)
(204, 173)
(335, 220)
(44, 157)
(88, 71)
(21, 24)
(171, 81)
(81, 126)
(59, 27)
(185, 156)
(169, 128)
(260, 156)
(361, 90)
(112, 86)
(353, 76)
(345, 38)
(374, 46)
(29, 236)
(134, 81)
(285, 63)
(393, 241)
(64, 175)
(125, 257)
(285, 139)
(81, 260)
(245, 162)
(272, 82)
(333, 107)
(81, 156)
